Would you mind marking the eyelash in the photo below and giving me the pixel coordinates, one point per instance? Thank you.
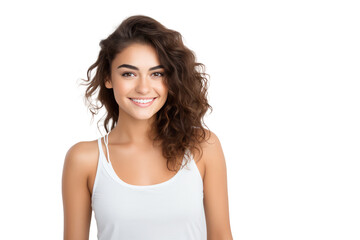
(126, 74)
(161, 74)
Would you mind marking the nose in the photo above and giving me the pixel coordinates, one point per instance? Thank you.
(143, 85)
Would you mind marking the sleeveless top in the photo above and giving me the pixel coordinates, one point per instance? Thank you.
(171, 210)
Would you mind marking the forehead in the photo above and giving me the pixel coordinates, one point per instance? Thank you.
(140, 55)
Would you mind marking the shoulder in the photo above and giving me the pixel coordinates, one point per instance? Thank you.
(212, 152)
(81, 151)
(211, 147)
(210, 143)
(81, 157)
(75, 190)
(211, 139)
(215, 189)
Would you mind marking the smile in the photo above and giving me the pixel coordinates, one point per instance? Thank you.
(142, 102)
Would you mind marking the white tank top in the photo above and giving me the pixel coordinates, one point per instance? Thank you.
(171, 210)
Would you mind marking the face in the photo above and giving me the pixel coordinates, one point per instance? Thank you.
(137, 79)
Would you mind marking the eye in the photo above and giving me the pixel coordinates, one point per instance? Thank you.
(158, 74)
(127, 74)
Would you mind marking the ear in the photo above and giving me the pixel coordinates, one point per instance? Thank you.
(108, 83)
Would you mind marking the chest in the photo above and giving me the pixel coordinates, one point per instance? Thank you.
(162, 211)
(138, 167)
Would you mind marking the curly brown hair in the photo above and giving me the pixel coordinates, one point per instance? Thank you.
(179, 123)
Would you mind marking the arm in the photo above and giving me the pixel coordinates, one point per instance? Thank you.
(215, 191)
(75, 193)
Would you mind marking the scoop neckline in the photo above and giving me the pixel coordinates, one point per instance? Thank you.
(113, 174)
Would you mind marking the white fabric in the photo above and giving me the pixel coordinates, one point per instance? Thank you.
(171, 210)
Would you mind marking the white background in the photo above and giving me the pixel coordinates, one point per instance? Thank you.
(284, 87)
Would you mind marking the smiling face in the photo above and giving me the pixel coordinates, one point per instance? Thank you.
(137, 79)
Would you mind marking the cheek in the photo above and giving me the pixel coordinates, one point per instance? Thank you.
(164, 91)
(164, 88)
(120, 91)
(122, 88)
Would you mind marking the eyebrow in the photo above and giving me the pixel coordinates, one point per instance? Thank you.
(136, 68)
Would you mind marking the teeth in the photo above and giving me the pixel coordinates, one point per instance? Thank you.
(142, 100)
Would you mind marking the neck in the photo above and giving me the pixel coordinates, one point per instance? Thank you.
(132, 131)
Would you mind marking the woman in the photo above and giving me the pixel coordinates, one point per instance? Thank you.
(158, 173)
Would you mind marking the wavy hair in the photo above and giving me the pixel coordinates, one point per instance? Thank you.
(179, 124)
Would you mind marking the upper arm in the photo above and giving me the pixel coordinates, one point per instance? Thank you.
(75, 193)
(215, 190)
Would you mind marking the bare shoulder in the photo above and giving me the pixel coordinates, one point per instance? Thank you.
(211, 151)
(215, 189)
(211, 139)
(78, 163)
(81, 152)
(81, 157)
(211, 146)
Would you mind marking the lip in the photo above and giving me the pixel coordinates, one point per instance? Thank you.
(143, 98)
(143, 104)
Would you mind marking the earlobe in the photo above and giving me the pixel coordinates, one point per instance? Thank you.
(108, 83)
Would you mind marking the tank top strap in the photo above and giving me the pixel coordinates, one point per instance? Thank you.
(106, 140)
(106, 158)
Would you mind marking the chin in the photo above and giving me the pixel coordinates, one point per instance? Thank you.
(143, 117)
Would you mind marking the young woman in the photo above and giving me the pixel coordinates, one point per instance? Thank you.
(158, 173)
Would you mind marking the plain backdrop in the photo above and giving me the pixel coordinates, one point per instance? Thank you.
(284, 87)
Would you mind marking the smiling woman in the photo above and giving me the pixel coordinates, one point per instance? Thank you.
(166, 177)
(136, 82)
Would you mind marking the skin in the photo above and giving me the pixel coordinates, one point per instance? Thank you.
(134, 158)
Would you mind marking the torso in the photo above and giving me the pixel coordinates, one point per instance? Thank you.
(134, 166)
